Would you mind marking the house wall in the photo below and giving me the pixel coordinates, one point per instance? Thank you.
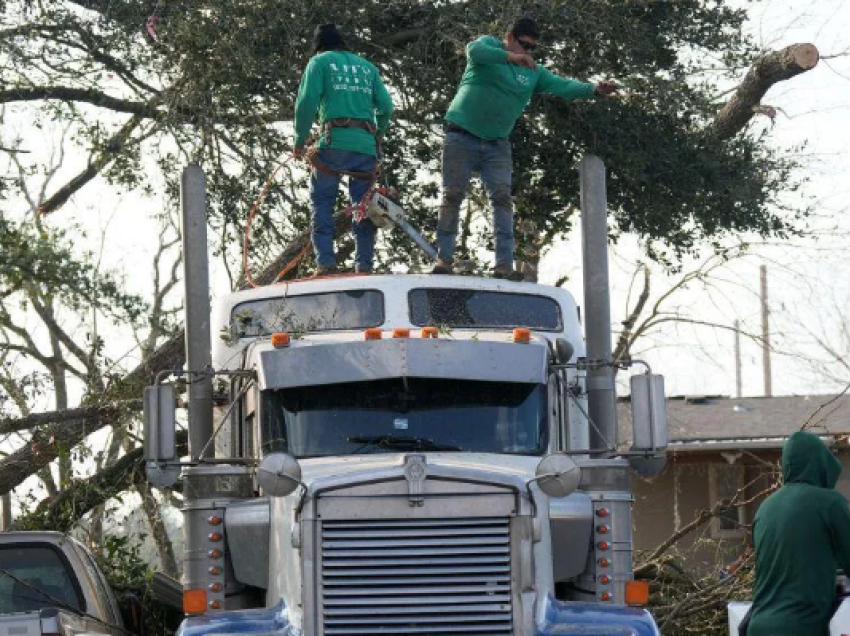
(667, 503)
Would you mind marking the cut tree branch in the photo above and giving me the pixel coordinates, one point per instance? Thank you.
(92, 415)
(61, 513)
(768, 70)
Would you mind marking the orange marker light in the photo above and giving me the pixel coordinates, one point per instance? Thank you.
(215, 536)
(602, 529)
(430, 332)
(280, 339)
(372, 334)
(522, 335)
(214, 570)
(401, 332)
(637, 593)
(214, 554)
(194, 601)
(215, 521)
(215, 604)
(215, 587)
(602, 512)
(605, 579)
(606, 596)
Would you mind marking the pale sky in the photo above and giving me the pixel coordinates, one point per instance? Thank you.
(808, 280)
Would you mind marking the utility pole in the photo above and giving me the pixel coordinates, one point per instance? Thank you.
(737, 328)
(6, 513)
(765, 334)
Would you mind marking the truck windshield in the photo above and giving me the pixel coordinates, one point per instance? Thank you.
(330, 311)
(470, 308)
(406, 414)
(33, 577)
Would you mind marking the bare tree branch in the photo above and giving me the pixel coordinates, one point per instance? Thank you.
(93, 169)
(84, 95)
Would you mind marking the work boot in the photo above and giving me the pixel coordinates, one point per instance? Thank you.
(326, 270)
(442, 267)
(507, 272)
(360, 269)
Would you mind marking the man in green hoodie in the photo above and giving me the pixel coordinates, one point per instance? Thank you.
(354, 110)
(802, 535)
(499, 81)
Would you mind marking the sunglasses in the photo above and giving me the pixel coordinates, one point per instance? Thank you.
(527, 46)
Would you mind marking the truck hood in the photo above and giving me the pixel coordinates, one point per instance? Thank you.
(508, 470)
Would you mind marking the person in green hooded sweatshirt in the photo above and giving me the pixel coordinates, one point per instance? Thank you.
(802, 536)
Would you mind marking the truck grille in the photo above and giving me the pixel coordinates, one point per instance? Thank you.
(431, 576)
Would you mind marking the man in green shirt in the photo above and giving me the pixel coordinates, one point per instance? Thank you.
(499, 81)
(354, 110)
(801, 535)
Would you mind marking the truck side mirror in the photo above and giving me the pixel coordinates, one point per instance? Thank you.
(279, 474)
(557, 475)
(649, 424)
(161, 462)
(564, 350)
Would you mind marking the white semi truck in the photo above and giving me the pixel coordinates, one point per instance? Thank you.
(406, 454)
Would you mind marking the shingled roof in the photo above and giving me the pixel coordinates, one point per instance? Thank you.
(717, 422)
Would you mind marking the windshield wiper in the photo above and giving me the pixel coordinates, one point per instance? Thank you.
(398, 442)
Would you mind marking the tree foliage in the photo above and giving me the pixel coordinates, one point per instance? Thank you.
(156, 84)
(44, 257)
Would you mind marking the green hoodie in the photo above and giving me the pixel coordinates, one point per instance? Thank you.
(492, 93)
(802, 535)
(339, 85)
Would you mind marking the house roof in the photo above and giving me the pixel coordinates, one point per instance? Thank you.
(715, 422)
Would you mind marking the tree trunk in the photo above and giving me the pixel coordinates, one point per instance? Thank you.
(158, 530)
(108, 459)
(768, 70)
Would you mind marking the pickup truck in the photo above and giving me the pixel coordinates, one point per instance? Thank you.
(50, 585)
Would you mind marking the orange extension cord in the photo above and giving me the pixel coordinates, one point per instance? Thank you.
(247, 234)
(360, 207)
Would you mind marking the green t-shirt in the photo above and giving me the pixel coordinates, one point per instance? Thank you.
(492, 93)
(338, 85)
(801, 535)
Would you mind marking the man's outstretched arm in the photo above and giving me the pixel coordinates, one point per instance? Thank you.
(570, 89)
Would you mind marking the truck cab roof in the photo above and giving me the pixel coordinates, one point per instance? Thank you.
(342, 307)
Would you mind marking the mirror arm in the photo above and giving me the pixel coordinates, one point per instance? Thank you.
(586, 365)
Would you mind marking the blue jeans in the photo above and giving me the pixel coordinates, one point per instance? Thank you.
(464, 154)
(323, 191)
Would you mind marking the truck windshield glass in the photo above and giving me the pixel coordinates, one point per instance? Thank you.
(484, 309)
(355, 309)
(43, 579)
(406, 414)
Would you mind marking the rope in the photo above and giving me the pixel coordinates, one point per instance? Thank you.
(298, 257)
(360, 216)
(247, 234)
